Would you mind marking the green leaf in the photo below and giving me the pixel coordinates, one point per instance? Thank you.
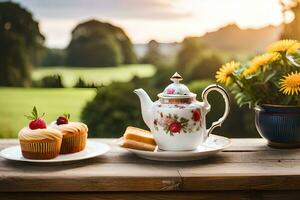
(239, 95)
(29, 117)
(240, 69)
(67, 115)
(35, 112)
(270, 76)
(293, 59)
(253, 75)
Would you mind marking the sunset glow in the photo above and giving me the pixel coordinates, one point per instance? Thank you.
(143, 20)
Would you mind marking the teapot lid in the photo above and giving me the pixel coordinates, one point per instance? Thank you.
(176, 89)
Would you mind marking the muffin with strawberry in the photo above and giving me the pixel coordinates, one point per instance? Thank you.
(38, 141)
(74, 134)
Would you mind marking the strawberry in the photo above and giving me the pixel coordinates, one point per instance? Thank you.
(63, 119)
(175, 127)
(36, 121)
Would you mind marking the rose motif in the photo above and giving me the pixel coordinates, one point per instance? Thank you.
(170, 91)
(175, 127)
(174, 124)
(196, 115)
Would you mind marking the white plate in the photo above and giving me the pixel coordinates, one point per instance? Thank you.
(213, 145)
(91, 150)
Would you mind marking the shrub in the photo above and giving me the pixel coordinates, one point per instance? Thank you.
(82, 84)
(113, 109)
(52, 81)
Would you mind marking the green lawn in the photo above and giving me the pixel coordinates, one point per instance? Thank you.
(16, 102)
(98, 75)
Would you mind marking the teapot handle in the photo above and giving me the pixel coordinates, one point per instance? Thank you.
(225, 95)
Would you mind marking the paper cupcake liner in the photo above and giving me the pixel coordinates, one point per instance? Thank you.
(43, 149)
(73, 143)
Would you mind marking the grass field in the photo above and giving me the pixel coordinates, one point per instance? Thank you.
(104, 75)
(16, 102)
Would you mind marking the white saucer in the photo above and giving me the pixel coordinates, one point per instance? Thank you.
(92, 149)
(213, 145)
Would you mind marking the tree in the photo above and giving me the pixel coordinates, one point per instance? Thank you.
(188, 55)
(20, 44)
(153, 54)
(54, 57)
(206, 67)
(195, 61)
(99, 44)
(126, 46)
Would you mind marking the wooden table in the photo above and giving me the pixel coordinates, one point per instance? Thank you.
(246, 170)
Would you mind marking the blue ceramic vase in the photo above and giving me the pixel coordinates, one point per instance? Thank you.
(279, 124)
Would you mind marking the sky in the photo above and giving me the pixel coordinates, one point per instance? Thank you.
(143, 20)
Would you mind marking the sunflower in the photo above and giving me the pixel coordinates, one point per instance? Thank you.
(223, 75)
(294, 48)
(261, 60)
(281, 45)
(290, 84)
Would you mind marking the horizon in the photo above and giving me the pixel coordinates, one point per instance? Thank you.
(165, 21)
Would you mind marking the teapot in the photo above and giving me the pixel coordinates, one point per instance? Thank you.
(177, 119)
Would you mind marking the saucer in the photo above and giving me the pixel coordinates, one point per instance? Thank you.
(91, 150)
(210, 147)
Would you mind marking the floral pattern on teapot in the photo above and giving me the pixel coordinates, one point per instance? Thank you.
(174, 124)
(177, 119)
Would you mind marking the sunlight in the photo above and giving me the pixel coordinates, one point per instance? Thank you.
(162, 20)
(247, 13)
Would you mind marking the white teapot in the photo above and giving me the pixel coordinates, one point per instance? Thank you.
(177, 119)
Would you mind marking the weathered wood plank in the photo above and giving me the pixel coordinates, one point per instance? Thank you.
(151, 177)
(232, 195)
(89, 184)
(242, 176)
(247, 164)
(242, 183)
(92, 176)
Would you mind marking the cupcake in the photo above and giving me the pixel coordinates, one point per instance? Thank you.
(74, 134)
(38, 141)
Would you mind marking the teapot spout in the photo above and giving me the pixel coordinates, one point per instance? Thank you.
(147, 106)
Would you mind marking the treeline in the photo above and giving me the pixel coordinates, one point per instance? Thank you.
(93, 44)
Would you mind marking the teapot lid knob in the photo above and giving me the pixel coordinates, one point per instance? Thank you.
(176, 78)
(176, 89)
